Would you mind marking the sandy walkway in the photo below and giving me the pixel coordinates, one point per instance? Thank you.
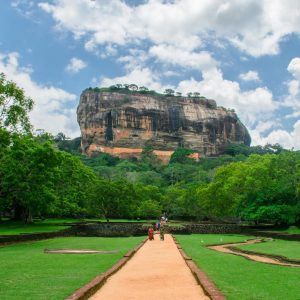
(157, 271)
(259, 258)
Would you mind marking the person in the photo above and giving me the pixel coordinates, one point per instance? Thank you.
(157, 225)
(162, 229)
(151, 233)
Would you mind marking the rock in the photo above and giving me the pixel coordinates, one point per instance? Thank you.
(123, 123)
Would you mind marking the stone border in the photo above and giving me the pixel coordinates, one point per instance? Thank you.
(94, 285)
(207, 284)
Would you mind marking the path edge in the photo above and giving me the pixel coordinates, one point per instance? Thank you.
(206, 283)
(95, 284)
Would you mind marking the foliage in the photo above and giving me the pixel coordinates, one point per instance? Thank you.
(260, 189)
(27, 174)
(37, 179)
(14, 107)
(150, 209)
(242, 149)
(169, 92)
(180, 155)
(69, 145)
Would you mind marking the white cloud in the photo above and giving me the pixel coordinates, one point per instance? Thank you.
(139, 76)
(51, 111)
(251, 106)
(284, 138)
(250, 76)
(201, 60)
(75, 65)
(294, 67)
(136, 59)
(292, 100)
(256, 27)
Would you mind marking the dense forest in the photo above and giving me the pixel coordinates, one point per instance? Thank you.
(43, 175)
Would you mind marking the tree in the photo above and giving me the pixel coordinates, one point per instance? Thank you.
(196, 94)
(73, 184)
(143, 89)
(178, 94)
(14, 107)
(150, 209)
(133, 87)
(190, 94)
(180, 155)
(105, 199)
(60, 137)
(169, 92)
(114, 199)
(119, 86)
(27, 171)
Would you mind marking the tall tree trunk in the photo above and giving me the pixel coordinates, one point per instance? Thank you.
(18, 212)
(29, 218)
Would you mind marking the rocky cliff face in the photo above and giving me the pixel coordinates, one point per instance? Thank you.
(120, 122)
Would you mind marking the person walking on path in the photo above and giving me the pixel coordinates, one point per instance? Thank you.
(157, 225)
(162, 229)
(151, 233)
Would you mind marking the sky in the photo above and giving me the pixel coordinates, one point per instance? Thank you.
(245, 54)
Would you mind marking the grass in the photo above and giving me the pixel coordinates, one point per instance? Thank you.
(289, 249)
(8, 227)
(12, 228)
(237, 277)
(291, 230)
(28, 273)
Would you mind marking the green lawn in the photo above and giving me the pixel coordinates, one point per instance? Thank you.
(237, 277)
(11, 228)
(289, 249)
(8, 227)
(291, 229)
(28, 273)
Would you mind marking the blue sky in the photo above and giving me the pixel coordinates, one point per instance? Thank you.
(244, 54)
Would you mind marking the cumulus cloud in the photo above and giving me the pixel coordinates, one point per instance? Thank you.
(201, 60)
(139, 76)
(251, 105)
(51, 111)
(292, 100)
(75, 65)
(250, 76)
(294, 67)
(255, 27)
(286, 139)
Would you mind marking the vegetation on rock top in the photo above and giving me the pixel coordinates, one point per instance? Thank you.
(133, 88)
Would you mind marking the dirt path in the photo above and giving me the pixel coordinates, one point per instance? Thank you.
(225, 248)
(157, 271)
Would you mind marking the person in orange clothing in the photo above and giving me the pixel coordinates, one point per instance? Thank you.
(151, 233)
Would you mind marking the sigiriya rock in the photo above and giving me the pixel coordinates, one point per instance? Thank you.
(123, 123)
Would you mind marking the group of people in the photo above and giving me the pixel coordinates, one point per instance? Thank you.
(160, 228)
